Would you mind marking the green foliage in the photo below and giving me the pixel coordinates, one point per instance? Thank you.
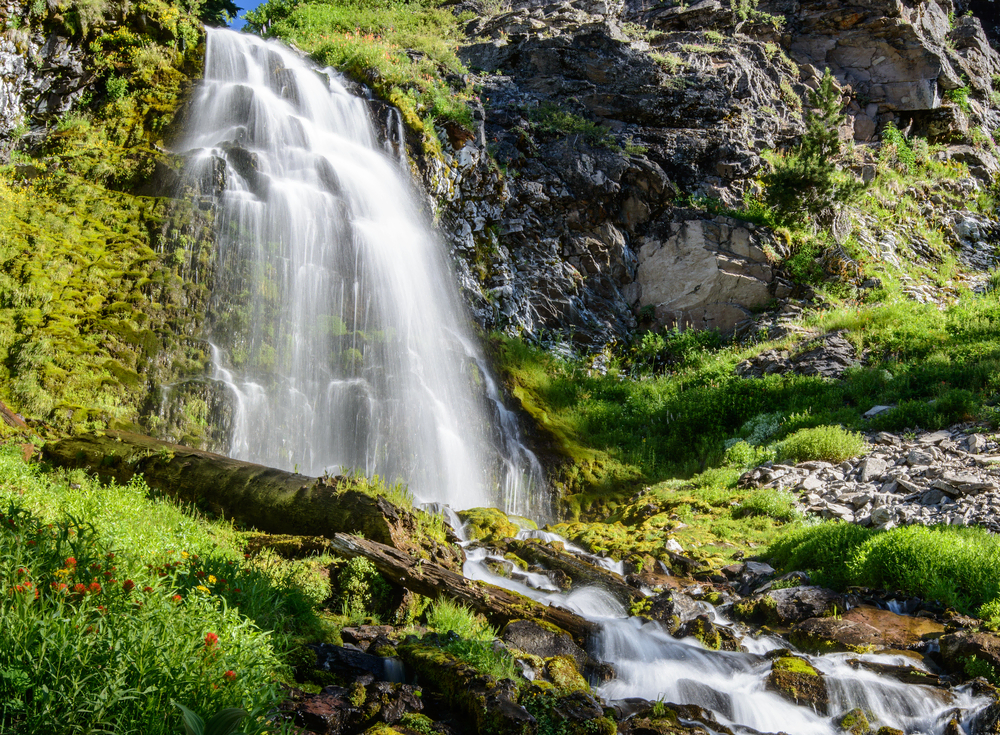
(825, 443)
(978, 667)
(955, 565)
(223, 722)
(469, 637)
(552, 119)
(777, 504)
(807, 182)
(95, 640)
(746, 10)
(895, 148)
(364, 593)
(371, 42)
(654, 352)
(959, 97)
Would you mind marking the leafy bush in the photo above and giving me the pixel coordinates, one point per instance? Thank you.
(826, 443)
(952, 564)
(777, 504)
(363, 592)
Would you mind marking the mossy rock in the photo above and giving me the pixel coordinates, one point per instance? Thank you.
(854, 722)
(562, 671)
(797, 681)
(573, 713)
(489, 525)
(829, 635)
(889, 731)
(709, 634)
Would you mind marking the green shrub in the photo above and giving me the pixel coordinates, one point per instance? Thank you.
(952, 564)
(773, 503)
(826, 443)
(363, 592)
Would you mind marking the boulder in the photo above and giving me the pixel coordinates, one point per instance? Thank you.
(971, 654)
(796, 680)
(826, 635)
(791, 605)
(542, 640)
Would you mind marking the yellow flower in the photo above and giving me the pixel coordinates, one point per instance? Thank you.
(211, 579)
(185, 554)
(203, 588)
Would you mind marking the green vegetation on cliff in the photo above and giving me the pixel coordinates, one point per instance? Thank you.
(97, 281)
(404, 51)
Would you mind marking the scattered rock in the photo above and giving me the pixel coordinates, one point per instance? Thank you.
(796, 680)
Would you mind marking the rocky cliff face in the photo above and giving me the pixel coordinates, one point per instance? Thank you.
(608, 121)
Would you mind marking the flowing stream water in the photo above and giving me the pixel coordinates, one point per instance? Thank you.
(336, 331)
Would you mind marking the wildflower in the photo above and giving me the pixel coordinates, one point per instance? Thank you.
(199, 574)
(211, 579)
(21, 570)
(230, 675)
(80, 588)
(203, 588)
(70, 562)
(59, 587)
(147, 589)
(128, 585)
(211, 639)
(176, 598)
(95, 587)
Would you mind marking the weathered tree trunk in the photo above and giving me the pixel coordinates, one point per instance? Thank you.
(498, 605)
(10, 418)
(535, 552)
(265, 498)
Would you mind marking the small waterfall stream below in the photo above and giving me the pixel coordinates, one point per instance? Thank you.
(653, 665)
(337, 333)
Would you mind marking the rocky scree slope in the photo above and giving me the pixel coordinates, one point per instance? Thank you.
(609, 120)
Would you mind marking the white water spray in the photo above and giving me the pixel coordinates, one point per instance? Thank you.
(334, 320)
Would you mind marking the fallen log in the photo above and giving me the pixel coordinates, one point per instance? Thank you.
(498, 605)
(268, 499)
(581, 572)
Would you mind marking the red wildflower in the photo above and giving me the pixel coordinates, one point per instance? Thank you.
(58, 586)
(230, 675)
(211, 639)
(95, 587)
(128, 585)
(21, 570)
(70, 562)
(176, 598)
(147, 590)
(80, 588)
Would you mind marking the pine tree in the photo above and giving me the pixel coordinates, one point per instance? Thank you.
(806, 181)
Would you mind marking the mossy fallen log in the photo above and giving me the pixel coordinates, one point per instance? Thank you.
(498, 605)
(265, 498)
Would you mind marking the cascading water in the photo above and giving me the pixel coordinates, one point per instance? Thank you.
(334, 322)
(652, 664)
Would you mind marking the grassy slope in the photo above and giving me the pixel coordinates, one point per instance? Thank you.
(167, 578)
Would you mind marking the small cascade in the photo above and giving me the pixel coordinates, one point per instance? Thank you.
(652, 664)
(334, 321)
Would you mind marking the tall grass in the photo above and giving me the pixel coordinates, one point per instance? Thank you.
(115, 604)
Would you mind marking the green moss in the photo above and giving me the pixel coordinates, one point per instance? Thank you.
(795, 665)
(487, 524)
(562, 671)
(855, 722)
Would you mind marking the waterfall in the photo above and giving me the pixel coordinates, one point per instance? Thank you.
(334, 321)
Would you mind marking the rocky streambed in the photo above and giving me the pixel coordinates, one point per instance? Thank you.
(744, 651)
